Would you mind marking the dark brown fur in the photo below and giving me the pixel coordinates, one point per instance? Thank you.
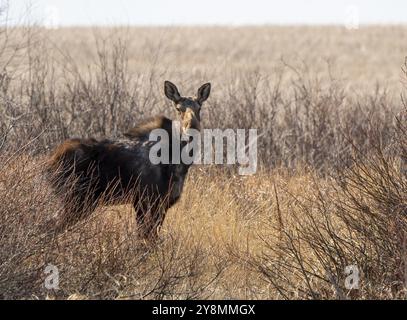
(85, 170)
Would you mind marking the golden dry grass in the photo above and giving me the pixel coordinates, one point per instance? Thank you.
(228, 237)
(330, 192)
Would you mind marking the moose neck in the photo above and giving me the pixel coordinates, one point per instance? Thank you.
(183, 143)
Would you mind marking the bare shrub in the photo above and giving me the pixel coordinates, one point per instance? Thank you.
(330, 192)
(356, 218)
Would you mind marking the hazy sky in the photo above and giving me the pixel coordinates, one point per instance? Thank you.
(175, 12)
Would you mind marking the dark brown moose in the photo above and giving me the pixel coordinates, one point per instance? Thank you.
(84, 171)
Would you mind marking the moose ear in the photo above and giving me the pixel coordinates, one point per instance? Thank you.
(171, 91)
(203, 92)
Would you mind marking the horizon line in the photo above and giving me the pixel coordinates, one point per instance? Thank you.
(204, 25)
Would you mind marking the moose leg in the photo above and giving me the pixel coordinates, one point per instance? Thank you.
(146, 225)
(75, 209)
(159, 219)
(149, 220)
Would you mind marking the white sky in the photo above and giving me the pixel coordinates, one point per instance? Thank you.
(197, 12)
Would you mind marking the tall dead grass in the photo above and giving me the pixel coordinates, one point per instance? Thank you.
(330, 192)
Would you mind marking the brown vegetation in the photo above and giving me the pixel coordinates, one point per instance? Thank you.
(331, 190)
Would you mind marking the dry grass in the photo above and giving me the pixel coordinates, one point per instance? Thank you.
(229, 237)
(331, 190)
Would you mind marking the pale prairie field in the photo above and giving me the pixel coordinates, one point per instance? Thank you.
(330, 191)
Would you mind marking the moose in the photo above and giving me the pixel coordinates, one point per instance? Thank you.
(83, 171)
